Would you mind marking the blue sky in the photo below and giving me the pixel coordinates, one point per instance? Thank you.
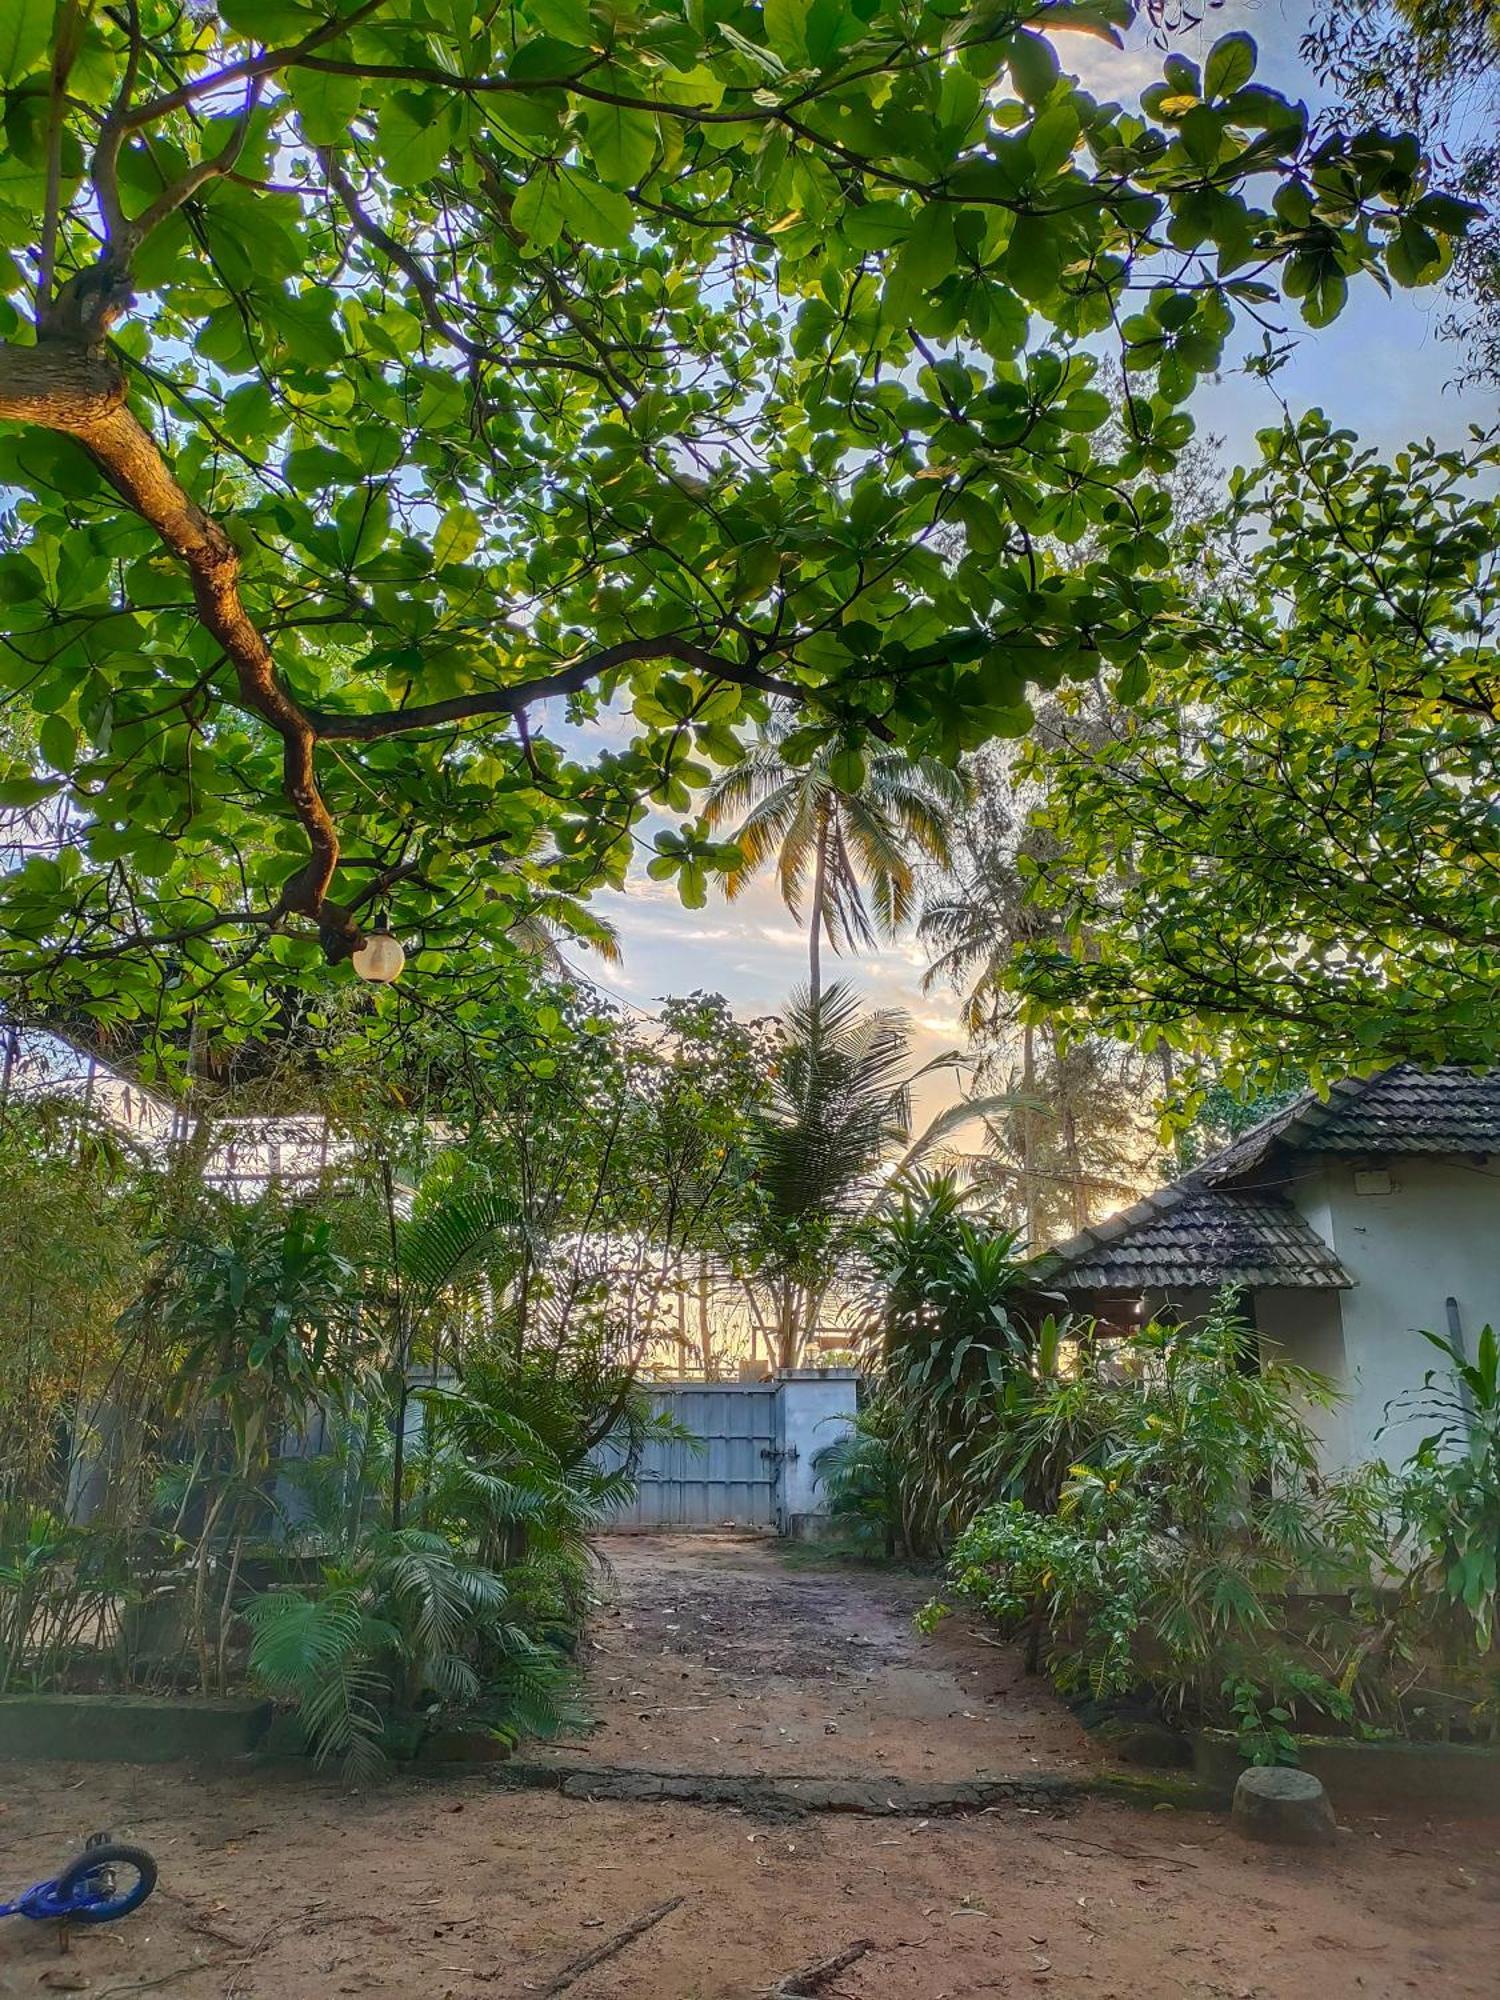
(1380, 369)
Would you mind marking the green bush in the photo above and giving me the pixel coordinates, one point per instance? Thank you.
(1173, 1549)
(1449, 1493)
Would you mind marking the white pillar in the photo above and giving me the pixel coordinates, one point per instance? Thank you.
(815, 1407)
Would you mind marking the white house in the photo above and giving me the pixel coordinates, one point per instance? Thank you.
(1352, 1224)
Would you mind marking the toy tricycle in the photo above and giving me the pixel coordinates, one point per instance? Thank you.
(108, 1880)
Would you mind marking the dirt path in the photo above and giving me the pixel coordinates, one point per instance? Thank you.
(713, 1653)
(277, 1887)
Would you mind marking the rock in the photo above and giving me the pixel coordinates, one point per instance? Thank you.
(1149, 1745)
(65, 1979)
(1289, 1808)
(459, 1745)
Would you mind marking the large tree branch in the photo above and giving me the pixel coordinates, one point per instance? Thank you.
(571, 679)
(65, 386)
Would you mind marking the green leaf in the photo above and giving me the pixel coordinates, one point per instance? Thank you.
(622, 143)
(1133, 682)
(457, 536)
(1230, 65)
(568, 20)
(925, 259)
(59, 742)
(20, 580)
(538, 210)
(413, 133)
(595, 214)
(847, 769)
(326, 104)
(1034, 257)
(1051, 139)
(1327, 297)
(311, 467)
(25, 37)
(786, 28)
(26, 791)
(1033, 66)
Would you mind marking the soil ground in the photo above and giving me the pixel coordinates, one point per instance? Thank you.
(280, 1886)
(730, 1653)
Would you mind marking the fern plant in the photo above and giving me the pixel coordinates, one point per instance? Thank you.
(411, 1626)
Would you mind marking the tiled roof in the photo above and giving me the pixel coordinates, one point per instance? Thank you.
(1216, 1227)
(1402, 1110)
(1191, 1235)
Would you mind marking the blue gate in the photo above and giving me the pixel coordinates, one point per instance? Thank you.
(728, 1476)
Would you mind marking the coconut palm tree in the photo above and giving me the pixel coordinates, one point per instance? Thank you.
(845, 832)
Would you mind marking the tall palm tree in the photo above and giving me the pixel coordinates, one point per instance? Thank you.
(852, 852)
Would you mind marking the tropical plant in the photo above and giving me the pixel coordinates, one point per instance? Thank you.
(1176, 1540)
(861, 1477)
(837, 1113)
(950, 1348)
(383, 382)
(1448, 1493)
(476, 1603)
(408, 1624)
(836, 825)
(259, 1308)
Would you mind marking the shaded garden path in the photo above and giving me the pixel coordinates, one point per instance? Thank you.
(729, 1653)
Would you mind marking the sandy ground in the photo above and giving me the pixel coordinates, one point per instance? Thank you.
(712, 1653)
(277, 1888)
(276, 1885)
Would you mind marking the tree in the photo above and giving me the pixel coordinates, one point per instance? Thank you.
(840, 1105)
(1432, 66)
(1070, 1142)
(843, 817)
(386, 380)
(1295, 862)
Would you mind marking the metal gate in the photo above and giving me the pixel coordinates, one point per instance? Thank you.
(729, 1474)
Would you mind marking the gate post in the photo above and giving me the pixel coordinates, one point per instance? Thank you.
(814, 1407)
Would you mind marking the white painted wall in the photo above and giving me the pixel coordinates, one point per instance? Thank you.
(1435, 1235)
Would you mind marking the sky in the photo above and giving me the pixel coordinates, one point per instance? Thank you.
(1379, 369)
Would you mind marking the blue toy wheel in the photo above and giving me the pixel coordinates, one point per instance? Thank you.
(104, 1883)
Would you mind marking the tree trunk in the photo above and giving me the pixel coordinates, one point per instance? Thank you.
(815, 929)
(1077, 1193)
(1029, 1191)
(705, 1337)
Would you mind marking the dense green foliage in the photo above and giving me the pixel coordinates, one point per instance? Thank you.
(1301, 865)
(476, 1603)
(1432, 66)
(1189, 1516)
(346, 1439)
(1450, 1492)
(384, 379)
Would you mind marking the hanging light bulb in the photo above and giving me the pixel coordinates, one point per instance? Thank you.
(378, 956)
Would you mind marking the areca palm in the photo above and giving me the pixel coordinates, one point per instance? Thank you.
(829, 1145)
(845, 832)
(840, 1103)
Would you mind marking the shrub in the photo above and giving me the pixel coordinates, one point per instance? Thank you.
(1171, 1552)
(1449, 1494)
